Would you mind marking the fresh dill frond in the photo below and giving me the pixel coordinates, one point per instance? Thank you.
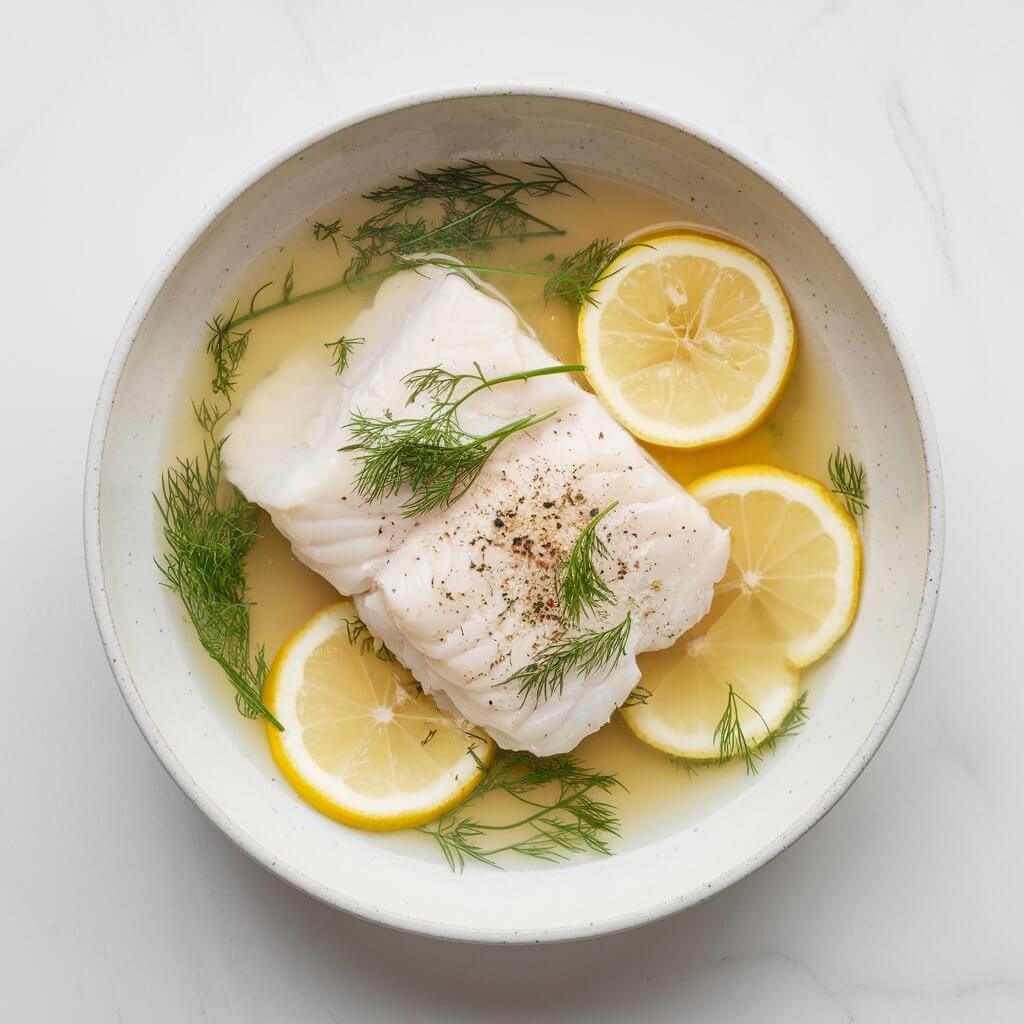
(328, 232)
(209, 528)
(564, 813)
(733, 742)
(848, 481)
(341, 350)
(360, 637)
(432, 455)
(578, 584)
(688, 765)
(478, 206)
(790, 725)
(255, 295)
(208, 415)
(227, 346)
(580, 273)
(589, 652)
(640, 695)
(462, 208)
(431, 733)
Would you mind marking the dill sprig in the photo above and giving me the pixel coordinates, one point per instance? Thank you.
(341, 351)
(360, 637)
(848, 481)
(733, 742)
(328, 233)
(564, 812)
(640, 695)
(479, 205)
(589, 652)
(227, 346)
(432, 455)
(209, 528)
(578, 584)
(580, 273)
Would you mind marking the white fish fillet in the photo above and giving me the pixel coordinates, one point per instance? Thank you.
(282, 448)
(464, 595)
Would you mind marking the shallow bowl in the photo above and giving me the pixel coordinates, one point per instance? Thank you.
(219, 759)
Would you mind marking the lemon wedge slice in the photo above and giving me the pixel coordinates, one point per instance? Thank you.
(361, 743)
(789, 592)
(687, 339)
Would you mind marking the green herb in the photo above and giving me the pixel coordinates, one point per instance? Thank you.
(733, 742)
(433, 455)
(563, 812)
(224, 329)
(360, 637)
(458, 267)
(341, 350)
(580, 273)
(588, 652)
(209, 528)
(578, 585)
(431, 733)
(328, 232)
(848, 481)
(479, 205)
(691, 767)
(640, 695)
(227, 346)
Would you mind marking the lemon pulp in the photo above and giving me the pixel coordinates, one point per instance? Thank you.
(789, 593)
(689, 339)
(361, 743)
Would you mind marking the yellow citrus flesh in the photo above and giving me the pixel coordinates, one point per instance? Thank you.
(361, 743)
(789, 593)
(689, 340)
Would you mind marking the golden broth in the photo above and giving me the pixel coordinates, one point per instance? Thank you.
(808, 421)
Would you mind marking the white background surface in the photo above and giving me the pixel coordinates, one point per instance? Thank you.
(898, 120)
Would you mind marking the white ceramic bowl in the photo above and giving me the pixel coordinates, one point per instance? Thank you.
(220, 760)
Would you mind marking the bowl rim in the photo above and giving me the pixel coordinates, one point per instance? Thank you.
(149, 728)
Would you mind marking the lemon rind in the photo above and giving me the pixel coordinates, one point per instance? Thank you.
(354, 810)
(646, 428)
(723, 482)
(803, 652)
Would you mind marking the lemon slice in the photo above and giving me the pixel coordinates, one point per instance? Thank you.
(789, 592)
(360, 742)
(688, 340)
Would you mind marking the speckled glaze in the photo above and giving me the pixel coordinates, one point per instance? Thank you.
(220, 760)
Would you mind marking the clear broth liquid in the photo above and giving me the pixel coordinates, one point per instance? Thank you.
(659, 796)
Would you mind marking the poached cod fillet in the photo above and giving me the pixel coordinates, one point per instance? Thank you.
(465, 595)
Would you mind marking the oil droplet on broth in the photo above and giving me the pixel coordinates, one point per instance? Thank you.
(659, 796)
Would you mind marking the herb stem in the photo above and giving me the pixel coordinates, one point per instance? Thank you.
(476, 211)
(363, 279)
(522, 375)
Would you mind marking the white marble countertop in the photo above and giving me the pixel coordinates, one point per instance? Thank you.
(898, 120)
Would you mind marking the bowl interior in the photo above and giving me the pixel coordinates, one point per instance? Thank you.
(221, 760)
